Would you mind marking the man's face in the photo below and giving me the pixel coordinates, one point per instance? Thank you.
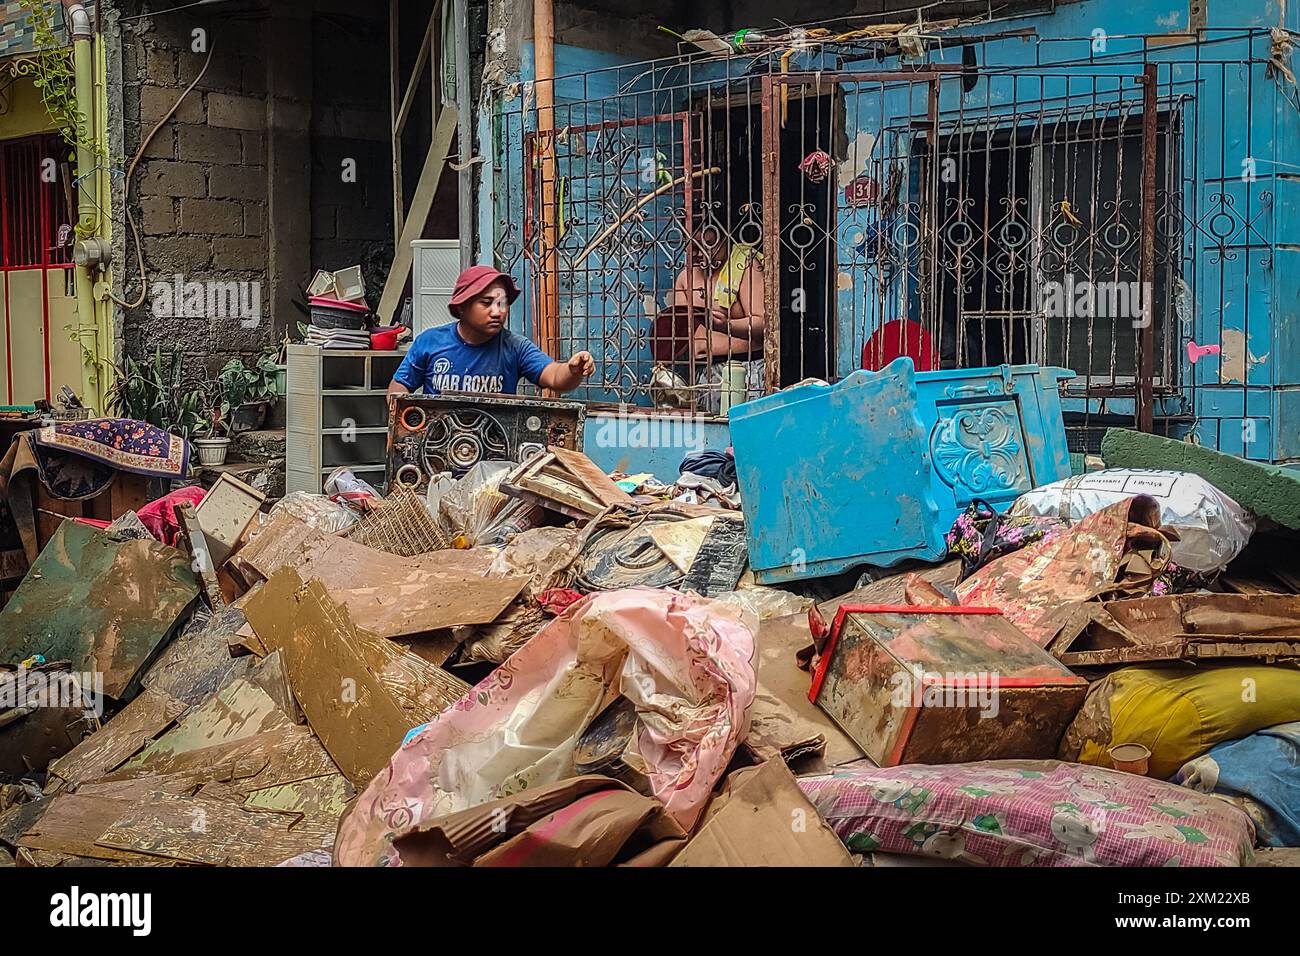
(487, 312)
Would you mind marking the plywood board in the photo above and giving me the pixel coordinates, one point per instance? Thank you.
(428, 604)
(214, 832)
(339, 564)
(325, 796)
(72, 823)
(271, 759)
(423, 690)
(385, 594)
(239, 711)
(103, 604)
(195, 665)
(681, 540)
(118, 740)
(353, 714)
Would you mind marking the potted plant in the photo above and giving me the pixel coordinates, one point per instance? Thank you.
(246, 393)
(159, 393)
(213, 440)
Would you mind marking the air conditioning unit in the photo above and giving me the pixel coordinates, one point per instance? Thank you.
(435, 265)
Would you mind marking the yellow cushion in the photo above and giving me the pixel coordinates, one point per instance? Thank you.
(1179, 714)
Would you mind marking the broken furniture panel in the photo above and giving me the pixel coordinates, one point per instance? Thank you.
(192, 540)
(139, 722)
(1187, 627)
(942, 685)
(565, 481)
(103, 605)
(225, 513)
(875, 469)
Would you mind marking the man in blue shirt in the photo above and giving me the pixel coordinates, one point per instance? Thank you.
(477, 353)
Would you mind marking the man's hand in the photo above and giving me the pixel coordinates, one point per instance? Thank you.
(582, 363)
(566, 376)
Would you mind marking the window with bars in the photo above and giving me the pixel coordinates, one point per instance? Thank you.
(37, 207)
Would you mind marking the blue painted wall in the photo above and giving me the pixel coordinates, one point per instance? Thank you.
(1245, 297)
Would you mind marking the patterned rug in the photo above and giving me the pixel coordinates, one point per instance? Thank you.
(122, 443)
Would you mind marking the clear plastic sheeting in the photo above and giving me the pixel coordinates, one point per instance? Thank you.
(316, 510)
(474, 510)
(1212, 528)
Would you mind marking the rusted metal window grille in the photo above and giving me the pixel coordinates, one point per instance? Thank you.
(36, 204)
(1086, 213)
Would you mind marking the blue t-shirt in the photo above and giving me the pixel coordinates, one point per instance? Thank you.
(440, 360)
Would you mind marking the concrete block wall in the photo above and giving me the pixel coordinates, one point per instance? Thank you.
(200, 193)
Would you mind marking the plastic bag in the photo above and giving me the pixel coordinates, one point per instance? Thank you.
(346, 488)
(765, 603)
(1212, 528)
(687, 664)
(316, 510)
(476, 513)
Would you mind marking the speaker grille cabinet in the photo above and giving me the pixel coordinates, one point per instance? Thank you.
(429, 434)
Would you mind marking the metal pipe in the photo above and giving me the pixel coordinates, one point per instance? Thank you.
(88, 219)
(548, 310)
(465, 124)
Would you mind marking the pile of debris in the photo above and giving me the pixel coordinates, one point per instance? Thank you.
(537, 663)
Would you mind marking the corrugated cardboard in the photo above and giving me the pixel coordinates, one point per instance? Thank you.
(583, 821)
(767, 821)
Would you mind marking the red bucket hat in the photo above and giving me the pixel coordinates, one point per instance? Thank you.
(474, 280)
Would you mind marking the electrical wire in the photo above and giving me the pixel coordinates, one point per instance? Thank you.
(158, 13)
(130, 172)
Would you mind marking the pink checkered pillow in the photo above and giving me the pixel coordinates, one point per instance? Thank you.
(1030, 813)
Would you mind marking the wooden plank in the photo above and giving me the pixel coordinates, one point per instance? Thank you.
(394, 89)
(412, 84)
(353, 714)
(72, 823)
(267, 760)
(588, 473)
(239, 711)
(421, 204)
(139, 722)
(196, 544)
(214, 832)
